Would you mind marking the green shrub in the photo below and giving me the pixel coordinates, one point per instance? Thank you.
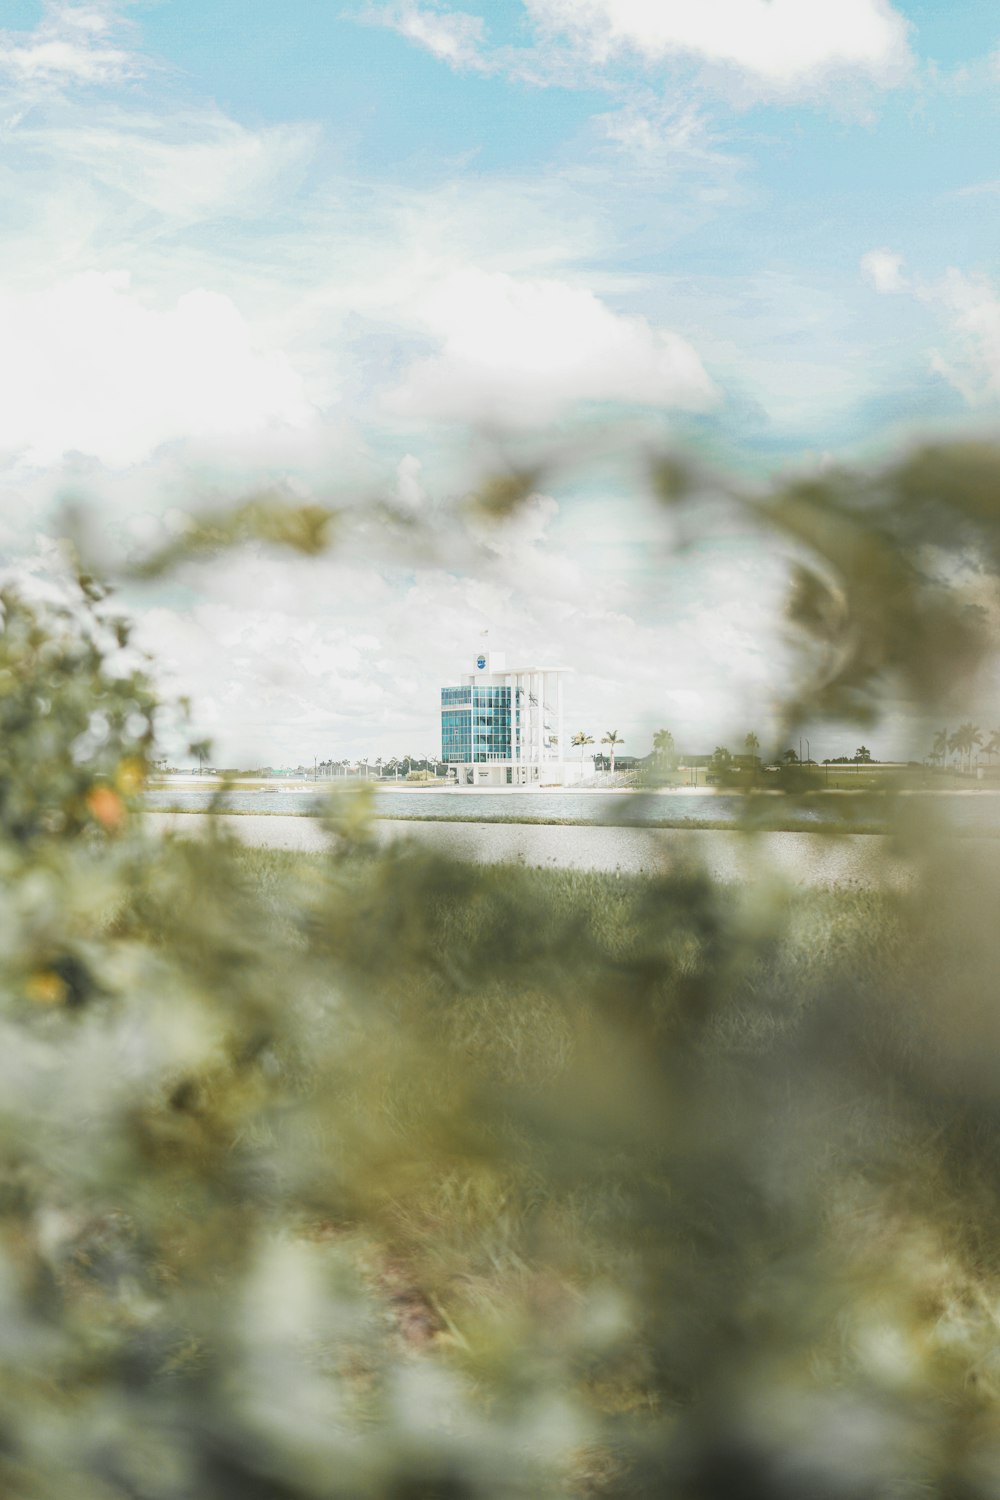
(375, 1174)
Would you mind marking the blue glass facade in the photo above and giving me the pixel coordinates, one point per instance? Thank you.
(456, 736)
(479, 724)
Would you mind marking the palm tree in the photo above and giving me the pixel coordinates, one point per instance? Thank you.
(939, 749)
(582, 738)
(965, 739)
(751, 745)
(993, 744)
(614, 739)
(663, 744)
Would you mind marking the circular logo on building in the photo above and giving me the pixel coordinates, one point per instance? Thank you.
(481, 663)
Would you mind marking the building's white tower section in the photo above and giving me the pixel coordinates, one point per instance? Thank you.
(527, 702)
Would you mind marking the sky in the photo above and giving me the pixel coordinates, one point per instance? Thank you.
(366, 252)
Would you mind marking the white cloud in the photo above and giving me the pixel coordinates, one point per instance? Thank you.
(48, 61)
(752, 49)
(70, 46)
(972, 362)
(86, 366)
(520, 351)
(475, 288)
(785, 46)
(968, 306)
(452, 36)
(206, 167)
(93, 20)
(650, 131)
(884, 269)
(988, 189)
(662, 137)
(338, 656)
(410, 491)
(668, 145)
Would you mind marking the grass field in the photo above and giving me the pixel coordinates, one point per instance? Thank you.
(496, 1181)
(757, 1137)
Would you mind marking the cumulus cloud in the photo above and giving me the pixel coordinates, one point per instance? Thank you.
(452, 36)
(884, 270)
(785, 46)
(87, 367)
(520, 351)
(332, 657)
(481, 277)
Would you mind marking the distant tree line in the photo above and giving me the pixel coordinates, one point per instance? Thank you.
(960, 744)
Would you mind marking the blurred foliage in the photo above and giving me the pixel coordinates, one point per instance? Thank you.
(265, 518)
(875, 598)
(501, 495)
(372, 1174)
(76, 720)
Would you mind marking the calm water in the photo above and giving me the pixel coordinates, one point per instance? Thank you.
(964, 810)
(602, 832)
(474, 807)
(806, 859)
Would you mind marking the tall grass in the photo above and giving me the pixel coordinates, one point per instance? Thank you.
(692, 1149)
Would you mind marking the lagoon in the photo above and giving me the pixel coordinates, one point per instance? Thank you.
(802, 859)
(972, 811)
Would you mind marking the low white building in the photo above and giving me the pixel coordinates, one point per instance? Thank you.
(503, 726)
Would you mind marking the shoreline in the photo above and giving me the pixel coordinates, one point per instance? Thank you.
(725, 854)
(822, 828)
(318, 788)
(513, 820)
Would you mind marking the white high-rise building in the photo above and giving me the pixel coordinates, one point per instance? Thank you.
(504, 725)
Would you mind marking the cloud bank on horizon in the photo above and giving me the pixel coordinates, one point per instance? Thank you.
(319, 250)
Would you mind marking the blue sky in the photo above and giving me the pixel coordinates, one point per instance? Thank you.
(323, 244)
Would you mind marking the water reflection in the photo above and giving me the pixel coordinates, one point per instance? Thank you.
(976, 810)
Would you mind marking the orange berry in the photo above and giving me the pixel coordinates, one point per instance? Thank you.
(107, 807)
(46, 988)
